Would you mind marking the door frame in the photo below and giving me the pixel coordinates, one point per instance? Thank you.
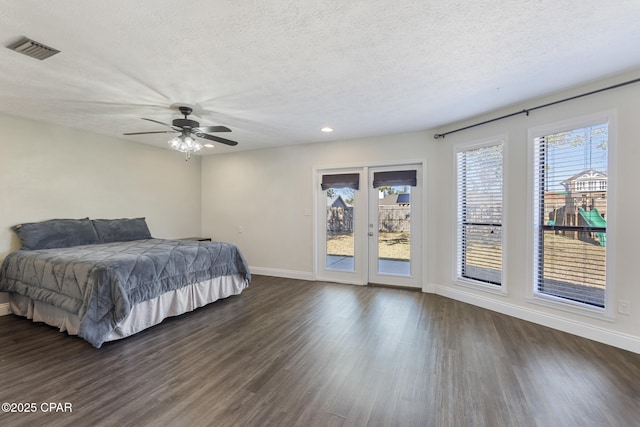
(361, 227)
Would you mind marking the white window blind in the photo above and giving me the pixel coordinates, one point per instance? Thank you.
(571, 214)
(479, 243)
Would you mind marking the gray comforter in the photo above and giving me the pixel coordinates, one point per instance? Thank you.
(100, 283)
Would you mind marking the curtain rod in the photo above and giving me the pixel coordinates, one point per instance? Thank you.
(528, 110)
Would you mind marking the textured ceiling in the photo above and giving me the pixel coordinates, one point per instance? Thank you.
(277, 71)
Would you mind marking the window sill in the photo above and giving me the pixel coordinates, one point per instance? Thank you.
(481, 286)
(571, 307)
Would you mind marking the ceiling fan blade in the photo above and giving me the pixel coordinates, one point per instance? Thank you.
(144, 133)
(213, 129)
(215, 138)
(163, 124)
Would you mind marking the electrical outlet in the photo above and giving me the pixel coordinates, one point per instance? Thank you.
(240, 229)
(624, 307)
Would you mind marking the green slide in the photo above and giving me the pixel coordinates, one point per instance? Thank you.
(594, 219)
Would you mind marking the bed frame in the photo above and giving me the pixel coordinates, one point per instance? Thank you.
(143, 315)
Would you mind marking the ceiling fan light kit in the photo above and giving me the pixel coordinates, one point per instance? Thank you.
(185, 144)
(189, 129)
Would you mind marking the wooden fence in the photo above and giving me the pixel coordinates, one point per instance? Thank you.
(390, 219)
(394, 218)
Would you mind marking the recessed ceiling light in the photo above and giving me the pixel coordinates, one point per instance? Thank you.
(326, 129)
(209, 145)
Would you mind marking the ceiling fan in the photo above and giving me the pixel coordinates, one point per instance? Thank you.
(188, 129)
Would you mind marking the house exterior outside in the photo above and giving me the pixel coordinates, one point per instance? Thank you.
(588, 190)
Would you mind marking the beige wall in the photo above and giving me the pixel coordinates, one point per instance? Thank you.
(266, 192)
(49, 172)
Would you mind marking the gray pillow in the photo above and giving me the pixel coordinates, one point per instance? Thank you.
(121, 230)
(56, 233)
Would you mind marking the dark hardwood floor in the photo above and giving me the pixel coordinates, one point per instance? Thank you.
(295, 353)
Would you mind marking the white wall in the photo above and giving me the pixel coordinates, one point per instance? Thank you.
(49, 171)
(266, 192)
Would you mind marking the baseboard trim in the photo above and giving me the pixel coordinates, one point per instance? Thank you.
(429, 288)
(595, 333)
(5, 309)
(287, 274)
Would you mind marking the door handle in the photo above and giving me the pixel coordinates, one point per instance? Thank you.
(371, 233)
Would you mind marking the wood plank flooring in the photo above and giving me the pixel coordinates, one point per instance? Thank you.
(296, 353)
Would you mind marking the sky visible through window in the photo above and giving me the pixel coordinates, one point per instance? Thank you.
(569, 153)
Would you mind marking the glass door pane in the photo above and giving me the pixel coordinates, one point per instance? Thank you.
(340, 223)
(394, 230)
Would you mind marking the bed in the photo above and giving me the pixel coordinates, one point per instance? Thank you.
(108, 279)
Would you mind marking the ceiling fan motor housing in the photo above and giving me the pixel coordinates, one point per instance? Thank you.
(182, 123)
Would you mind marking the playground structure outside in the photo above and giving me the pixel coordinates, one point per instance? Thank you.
(594, 219)
(581, 217)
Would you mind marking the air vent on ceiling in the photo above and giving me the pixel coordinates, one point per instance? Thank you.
(33, 48)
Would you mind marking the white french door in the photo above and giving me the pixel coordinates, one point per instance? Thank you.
(395, 225)
(369, 225)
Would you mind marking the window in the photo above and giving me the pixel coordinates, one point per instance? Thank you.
(480, 213)
(570, 214)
